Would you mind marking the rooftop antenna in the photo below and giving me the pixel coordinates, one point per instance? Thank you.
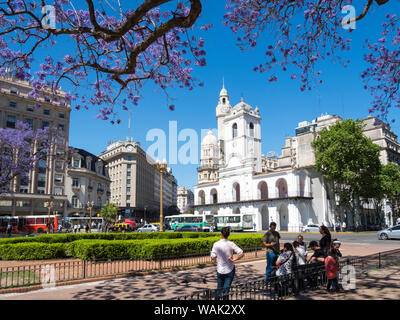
(129, 126)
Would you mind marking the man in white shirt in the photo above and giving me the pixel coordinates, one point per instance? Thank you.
(300, 253)
(222, 252)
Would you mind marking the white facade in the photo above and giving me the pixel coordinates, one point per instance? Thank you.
(234, 176)
(185, 198)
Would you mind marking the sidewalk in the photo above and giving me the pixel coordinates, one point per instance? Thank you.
(173, 284)
(380, 284)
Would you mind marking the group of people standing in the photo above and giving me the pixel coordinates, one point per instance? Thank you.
(282, 262)
(279, 262)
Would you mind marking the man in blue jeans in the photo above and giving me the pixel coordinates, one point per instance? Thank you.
(222, 252)
(271, 242)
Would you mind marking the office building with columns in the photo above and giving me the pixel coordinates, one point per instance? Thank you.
(135, 181)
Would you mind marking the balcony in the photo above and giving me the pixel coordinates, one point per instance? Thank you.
(270, 197)
(90, 188)
(76, 187)
(208, 167)
(100, 190)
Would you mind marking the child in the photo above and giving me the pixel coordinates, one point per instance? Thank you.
(332, 268)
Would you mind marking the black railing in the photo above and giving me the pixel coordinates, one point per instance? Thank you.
(311, 277)
(74, 269)
(304, 278)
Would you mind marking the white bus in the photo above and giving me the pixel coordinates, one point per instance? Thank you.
(237, 221)
(203, 221)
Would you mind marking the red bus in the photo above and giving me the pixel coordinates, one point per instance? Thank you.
(30, 223)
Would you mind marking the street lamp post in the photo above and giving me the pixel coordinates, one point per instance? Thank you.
(161, 166)
(90, 206)
(49, 206)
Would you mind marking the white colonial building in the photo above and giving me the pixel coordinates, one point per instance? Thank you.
(234, 176)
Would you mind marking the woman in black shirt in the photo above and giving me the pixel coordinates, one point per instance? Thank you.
(326, 240)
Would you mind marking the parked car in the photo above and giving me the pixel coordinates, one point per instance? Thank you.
(389, 233)
(310, 228)
(121, 227)
(188, 228)
(149, 228)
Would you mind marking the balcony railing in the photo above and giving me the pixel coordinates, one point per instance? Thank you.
(90, 188)
(208, 166)
(278, 196)
(100, 190)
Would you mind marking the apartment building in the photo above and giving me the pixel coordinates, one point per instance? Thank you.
(47, 110)
(87, 181)
(185, 198)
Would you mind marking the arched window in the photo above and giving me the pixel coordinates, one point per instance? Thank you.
(282, 187)
(251, 129)
(214, 196)
(302, 186)
(236, 192)
(262, 190)
(223, 100)
(202, 197)
(234, 130)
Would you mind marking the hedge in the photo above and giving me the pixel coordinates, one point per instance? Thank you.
(32, 251)
(118, 246)
(70, 237)
(152, 248)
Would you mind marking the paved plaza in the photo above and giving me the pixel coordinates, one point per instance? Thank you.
(384, 282)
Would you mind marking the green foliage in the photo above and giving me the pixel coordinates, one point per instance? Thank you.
(69, 237)
(109, 213)
(32, 251)
(346, 157)
(153, 248)
(390, 179)
(150, 245)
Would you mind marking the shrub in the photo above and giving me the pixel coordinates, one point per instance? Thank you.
(32, 251)
(153, 248)
(70, 237)
(117, 245)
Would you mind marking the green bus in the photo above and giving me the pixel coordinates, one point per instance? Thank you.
(202, 221)
(237, 222)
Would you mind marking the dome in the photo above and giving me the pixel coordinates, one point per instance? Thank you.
(242, 106)
(209, 139)
(223, 92)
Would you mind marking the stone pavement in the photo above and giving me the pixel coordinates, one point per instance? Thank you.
(381, 283)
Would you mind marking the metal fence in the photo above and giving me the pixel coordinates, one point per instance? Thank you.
(28, 274)
(303, 279)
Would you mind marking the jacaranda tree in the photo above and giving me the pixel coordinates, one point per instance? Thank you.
(116, 46)
(22, 148)
(307, 32)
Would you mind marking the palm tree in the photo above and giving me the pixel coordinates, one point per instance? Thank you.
(109, 214)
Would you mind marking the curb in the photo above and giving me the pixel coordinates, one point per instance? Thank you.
(362, 232)
(119, 276)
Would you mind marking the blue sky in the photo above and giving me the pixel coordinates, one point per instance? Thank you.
(282, 104)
